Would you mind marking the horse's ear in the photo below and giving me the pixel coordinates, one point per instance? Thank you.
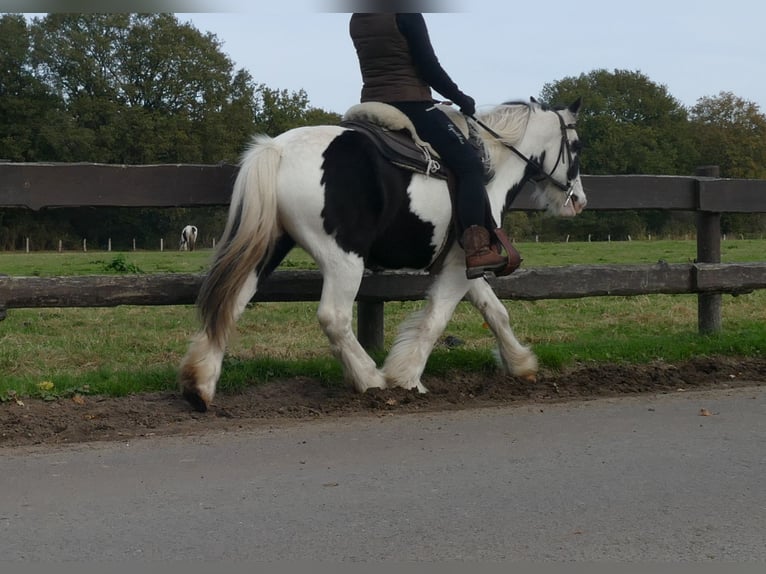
(574, 107)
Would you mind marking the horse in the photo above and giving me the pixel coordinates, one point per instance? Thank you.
(188, 238)
(328, 190)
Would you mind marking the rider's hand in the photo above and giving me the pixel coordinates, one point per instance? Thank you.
(467, 105)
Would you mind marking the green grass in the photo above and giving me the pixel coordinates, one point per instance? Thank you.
(67, 263)
(53, 353)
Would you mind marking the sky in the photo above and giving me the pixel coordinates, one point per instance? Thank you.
(500, 50)
(495, 50)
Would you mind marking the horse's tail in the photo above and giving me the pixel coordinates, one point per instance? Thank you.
(248, 238)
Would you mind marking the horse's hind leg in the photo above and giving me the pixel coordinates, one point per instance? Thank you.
(515, 358)
(335, 315)
(201, 366)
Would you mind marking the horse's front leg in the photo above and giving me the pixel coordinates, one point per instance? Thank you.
(515, 358)
(335, 315)
(417, 335)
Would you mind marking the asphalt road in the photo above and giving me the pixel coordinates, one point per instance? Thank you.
(646, 478)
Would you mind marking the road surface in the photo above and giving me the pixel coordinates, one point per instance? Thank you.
(670, 477)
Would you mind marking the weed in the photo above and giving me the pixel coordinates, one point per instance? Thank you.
(121, 265)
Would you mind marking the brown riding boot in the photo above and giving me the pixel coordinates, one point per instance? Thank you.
(479, 256)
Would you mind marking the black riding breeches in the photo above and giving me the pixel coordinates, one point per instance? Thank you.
(457, 153)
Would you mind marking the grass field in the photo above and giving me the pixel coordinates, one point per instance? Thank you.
(116, 351)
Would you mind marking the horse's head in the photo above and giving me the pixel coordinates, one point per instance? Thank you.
(557, 173)
(544, 139)
(560, 189)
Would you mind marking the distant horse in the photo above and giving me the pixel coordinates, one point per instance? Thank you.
(328, 190)
(188, 238)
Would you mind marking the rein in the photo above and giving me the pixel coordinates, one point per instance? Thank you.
(542, 174)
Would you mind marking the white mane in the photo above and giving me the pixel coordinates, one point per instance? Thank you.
(509, 121)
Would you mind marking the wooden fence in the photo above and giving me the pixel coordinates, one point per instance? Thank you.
(37, 186)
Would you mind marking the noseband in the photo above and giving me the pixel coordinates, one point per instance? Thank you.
(565, 153)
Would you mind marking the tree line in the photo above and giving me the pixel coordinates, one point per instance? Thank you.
(147, 88)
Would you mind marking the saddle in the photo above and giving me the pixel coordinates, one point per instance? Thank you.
(396, 139)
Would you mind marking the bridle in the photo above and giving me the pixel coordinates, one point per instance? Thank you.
(565, 153)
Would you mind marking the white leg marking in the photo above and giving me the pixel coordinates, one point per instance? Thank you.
(335, 315)
(201, 366)
(515, 358)
(405, 363)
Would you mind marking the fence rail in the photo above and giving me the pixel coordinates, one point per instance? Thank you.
(41, 185)
(37, 186)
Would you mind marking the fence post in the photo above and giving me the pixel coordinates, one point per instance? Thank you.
(708, 251)
(369, 324)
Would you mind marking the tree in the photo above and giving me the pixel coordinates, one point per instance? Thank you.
(629, 124)
(136, 87)
(233, 127)
(26, 105)
(133, 89)
(144, 88)
(731, 133)
(278, 111)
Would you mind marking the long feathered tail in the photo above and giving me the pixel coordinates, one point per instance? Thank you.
(249, 237)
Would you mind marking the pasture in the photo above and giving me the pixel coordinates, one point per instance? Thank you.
(50, 353)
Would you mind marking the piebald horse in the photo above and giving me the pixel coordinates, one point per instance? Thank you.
(328, 190)
(188, 238)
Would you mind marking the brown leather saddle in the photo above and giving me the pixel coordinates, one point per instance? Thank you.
(400, 149)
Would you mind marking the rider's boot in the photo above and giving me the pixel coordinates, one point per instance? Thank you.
(480, 257)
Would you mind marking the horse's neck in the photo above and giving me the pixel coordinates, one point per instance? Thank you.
(506, 178)
(508, 169)
(513, 125)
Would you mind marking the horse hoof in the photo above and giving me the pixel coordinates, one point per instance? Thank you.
(529, 378)
(196, 401)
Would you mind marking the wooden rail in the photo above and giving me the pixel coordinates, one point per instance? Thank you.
(570, 282)
(38, 186)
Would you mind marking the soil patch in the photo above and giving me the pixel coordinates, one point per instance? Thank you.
(97, 418)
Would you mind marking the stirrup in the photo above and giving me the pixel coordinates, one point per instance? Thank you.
(513, 257)
(481, 271)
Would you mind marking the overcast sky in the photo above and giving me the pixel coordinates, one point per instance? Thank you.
(497, 50)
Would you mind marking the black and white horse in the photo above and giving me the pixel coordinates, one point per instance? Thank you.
(188, 238)
(327, 189)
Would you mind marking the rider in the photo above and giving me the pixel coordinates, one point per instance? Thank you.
(399, 67)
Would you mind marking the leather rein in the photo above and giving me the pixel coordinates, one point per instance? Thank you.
(564, 151)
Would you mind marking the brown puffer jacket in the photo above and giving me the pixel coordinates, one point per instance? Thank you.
(388, 73)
